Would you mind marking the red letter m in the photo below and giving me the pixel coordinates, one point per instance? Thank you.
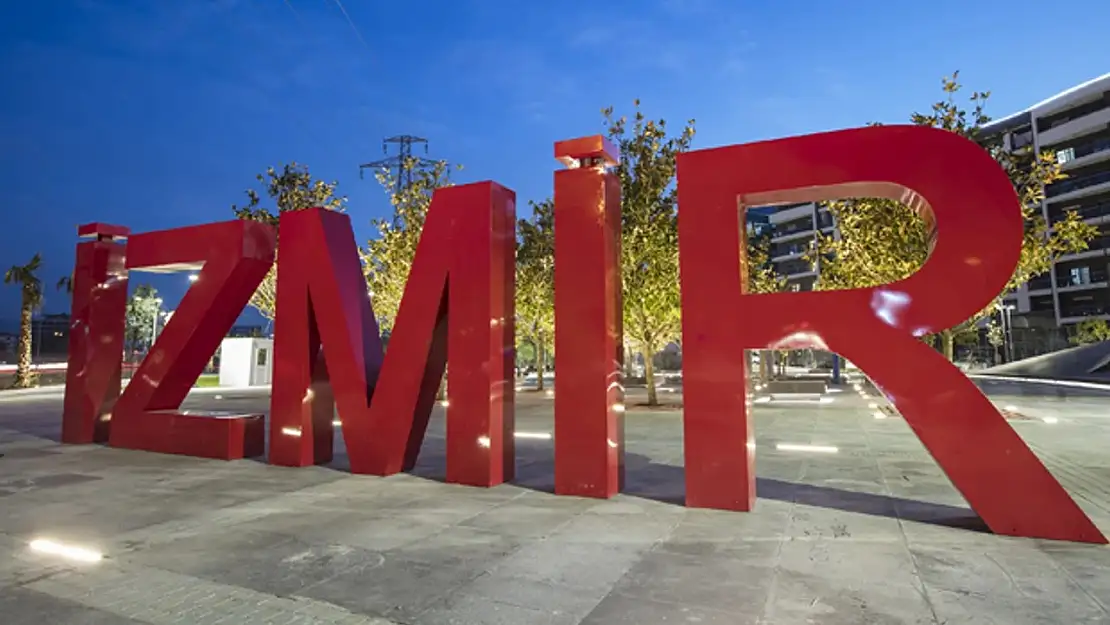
(457, 308)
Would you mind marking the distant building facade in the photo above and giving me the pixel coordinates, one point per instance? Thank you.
(1074, 126)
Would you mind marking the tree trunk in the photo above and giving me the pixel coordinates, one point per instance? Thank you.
(948, 342)
(541, 364)
(766, 365)
(649, 375)
(24, 377)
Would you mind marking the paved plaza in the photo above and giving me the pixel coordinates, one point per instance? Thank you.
(870, 532)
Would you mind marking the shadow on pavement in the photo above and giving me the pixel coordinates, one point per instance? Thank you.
(36, 426)
(666, 483)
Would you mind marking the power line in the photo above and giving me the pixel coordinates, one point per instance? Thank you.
(358, 34)
(289, 3)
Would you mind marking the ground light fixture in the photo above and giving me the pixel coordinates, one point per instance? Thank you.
(818, 449)
(68, 552)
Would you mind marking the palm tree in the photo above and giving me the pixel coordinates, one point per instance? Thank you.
(31, 287)
(65, 284)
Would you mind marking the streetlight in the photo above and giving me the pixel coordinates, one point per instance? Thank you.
(154, 322)
(1006, 312)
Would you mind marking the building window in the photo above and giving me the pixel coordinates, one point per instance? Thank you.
(1080, 275)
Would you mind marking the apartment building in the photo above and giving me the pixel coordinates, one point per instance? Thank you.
(1075, 126)
(794, 230)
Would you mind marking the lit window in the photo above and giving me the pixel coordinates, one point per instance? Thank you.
(1080, 275)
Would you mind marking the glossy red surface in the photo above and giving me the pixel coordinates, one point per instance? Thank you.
(970, 198)
(589, 398)
(102, 231)
(98, 308)
(457, 308)
(234, 257)
(220, 436)
(571, 152)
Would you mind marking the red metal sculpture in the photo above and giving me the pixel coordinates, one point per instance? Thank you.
(942, 175)
(457, 308)
(589, 398)
(99, 307)
(233, 257)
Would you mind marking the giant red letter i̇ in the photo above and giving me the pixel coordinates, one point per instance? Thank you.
(589, 398)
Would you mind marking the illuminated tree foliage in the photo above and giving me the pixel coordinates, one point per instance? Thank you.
(884, 241)
(387, 259)
(143, 308)
(1090, 331)
(289, 189)
(535, 284)
(762, 277)
(649, 232)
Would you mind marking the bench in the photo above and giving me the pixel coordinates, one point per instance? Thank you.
(793, 388)
(201, 434)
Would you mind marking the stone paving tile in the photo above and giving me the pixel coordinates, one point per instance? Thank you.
(23, 606)
(159, 597)
(872, 534)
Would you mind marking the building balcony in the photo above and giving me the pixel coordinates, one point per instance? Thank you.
(812, 273)
(1080, 187)
(1084, 154)
(1096, 252)
(1092, 213)
(792, 213)
(1074, 128)
(1073, 319)
(781, 257)
(782, 237)
(1072, 288)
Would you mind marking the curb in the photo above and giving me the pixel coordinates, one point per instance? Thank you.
(57, 389)
(37, 390)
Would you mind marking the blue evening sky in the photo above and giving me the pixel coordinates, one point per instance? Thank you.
(158, 113)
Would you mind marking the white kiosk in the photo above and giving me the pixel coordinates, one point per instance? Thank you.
(246, 362)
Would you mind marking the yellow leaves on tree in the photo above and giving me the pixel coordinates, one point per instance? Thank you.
(884, 241)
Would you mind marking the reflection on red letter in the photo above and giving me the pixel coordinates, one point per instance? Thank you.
(99, 304)
(233, 258)
(968, 195)
(589, 422)
(457, 308)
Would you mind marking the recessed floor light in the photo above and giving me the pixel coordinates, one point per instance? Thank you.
(77, 554)
(537, 435)
(821, 449)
